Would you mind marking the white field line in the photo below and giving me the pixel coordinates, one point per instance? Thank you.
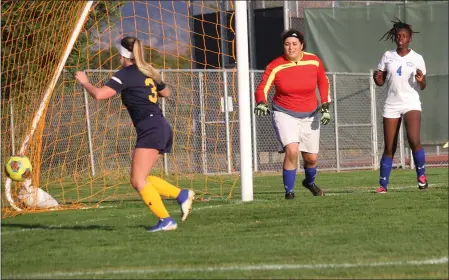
(242, 267)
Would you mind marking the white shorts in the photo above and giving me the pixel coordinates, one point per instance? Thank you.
(395, 111)
(305, 131)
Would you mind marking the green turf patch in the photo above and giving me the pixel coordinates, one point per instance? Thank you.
(352, 232)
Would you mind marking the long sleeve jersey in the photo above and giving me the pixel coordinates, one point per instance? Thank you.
(295, 83)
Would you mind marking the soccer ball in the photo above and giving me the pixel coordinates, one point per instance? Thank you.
(18, 168)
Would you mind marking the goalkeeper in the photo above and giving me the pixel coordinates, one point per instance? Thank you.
(296, 112)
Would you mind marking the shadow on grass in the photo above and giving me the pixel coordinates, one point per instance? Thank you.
(53, 227)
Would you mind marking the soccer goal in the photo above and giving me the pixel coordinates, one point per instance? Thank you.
(81, 148)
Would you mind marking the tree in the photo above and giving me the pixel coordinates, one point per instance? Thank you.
(33, 40)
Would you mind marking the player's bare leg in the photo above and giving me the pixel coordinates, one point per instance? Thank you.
(413, 128)
(142, 163)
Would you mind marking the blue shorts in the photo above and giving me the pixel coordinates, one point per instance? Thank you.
(155, 132)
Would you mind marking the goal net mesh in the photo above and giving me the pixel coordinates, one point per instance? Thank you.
(81, 148)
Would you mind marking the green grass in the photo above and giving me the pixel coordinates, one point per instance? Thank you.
(352, 232)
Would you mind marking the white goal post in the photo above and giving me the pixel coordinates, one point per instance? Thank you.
(241, 33)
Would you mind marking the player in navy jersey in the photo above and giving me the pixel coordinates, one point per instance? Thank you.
(404, 71)
(140, 86)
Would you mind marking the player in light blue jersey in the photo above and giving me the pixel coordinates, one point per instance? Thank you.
(404, 72)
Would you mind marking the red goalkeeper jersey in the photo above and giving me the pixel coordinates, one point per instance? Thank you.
(295, 83)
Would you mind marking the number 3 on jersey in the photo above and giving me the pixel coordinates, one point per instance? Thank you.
(399, 71)
(153, 96)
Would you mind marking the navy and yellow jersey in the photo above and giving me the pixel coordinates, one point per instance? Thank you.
(138, 92)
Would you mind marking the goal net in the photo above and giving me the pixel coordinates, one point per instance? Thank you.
(81, 148)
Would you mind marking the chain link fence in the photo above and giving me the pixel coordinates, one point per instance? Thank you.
(206, 127)
(353, 139)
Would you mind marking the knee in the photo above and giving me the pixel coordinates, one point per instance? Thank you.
(310, 160)
(137, 183)
(291, 153)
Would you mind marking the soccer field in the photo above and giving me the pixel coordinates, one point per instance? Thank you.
(352, 232)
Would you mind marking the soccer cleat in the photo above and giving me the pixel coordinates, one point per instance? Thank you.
(290, 195)
(314, 189)
(185, 199)
(164, 225)
(422, 182)
(381, 190)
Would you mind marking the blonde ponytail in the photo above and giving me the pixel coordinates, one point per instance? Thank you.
(144, 66)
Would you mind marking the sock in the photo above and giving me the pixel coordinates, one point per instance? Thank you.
(163, 187)
(289, 177)
(183, 196)
(153, 201)
(420, 159)
(310, 175)
(385, 169)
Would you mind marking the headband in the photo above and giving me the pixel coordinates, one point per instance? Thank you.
(291, 34)
(124, 52)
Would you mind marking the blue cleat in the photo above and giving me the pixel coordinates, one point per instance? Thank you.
(164, 225)
(185, 200)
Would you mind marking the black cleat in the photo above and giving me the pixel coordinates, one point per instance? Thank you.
(314, 189)
(290, 195)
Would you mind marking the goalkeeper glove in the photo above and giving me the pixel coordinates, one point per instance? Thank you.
(262, 109)
(326, 114)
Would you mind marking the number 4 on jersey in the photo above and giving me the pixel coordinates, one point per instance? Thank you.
(399, 71)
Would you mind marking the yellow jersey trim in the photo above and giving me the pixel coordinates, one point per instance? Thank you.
(276, 69)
